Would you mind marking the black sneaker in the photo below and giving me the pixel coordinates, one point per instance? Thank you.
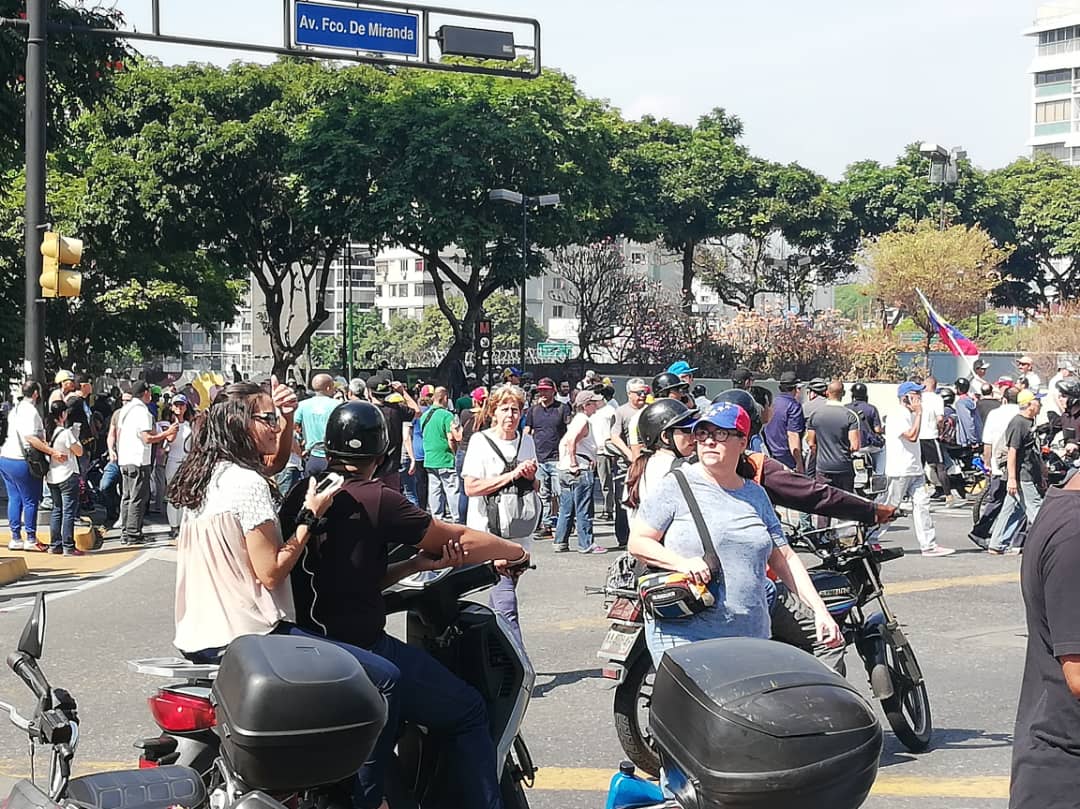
(139, 540)
(561, 548)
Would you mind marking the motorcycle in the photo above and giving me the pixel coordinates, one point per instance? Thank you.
(55, 723)
(848, 580)
(468, 638)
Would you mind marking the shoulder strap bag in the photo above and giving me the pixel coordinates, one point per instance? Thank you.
(670, 595)
(513, 511)
(37, 460)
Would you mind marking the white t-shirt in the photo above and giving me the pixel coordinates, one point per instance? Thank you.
(586, 445)
(903, 458)
(600, 424)
(134, 420)
(933, 408)
(23, 421)
(63, 440)
(179, 446)
(994, 429)
(481, 462)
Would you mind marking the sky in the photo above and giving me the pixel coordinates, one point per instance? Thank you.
(822, 84)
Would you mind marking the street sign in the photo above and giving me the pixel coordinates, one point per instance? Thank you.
(554, 351)
(322, 25)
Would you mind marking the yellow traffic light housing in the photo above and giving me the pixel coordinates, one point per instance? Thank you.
(60, 250)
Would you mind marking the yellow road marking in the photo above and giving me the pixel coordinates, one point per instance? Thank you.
(94, 562)
(596, 779)
(590, 779)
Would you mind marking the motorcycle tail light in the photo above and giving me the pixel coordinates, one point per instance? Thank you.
(611, 673)
(625, 609)
(179, 713)
(146, 764)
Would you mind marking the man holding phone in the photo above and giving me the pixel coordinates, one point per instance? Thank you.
(903, 466)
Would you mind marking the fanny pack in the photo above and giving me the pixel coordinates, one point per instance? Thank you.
(670, 595)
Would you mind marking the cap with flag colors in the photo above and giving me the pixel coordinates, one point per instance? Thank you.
(951, 336)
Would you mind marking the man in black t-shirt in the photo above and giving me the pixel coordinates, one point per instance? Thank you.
(832, 432)
(1046, 741)
(337, 589)
(1023, 472)
(399, 409)
(546, 422)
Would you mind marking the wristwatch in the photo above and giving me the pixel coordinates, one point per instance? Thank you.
(316, 525)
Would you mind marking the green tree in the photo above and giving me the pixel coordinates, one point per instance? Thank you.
(443, 142)
(213, 163)
(687, 185)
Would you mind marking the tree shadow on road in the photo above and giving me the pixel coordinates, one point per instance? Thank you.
(944, 739)
(559, 678)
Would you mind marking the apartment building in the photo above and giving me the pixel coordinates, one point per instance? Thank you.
(1055, 88)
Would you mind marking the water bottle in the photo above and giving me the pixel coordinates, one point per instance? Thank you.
(977, 462)
(627, 791)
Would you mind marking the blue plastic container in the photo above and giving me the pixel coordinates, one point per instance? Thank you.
(627, 791)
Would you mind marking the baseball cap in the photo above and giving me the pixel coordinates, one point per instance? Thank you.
(1024, 360)
(479, 394)
(1027, 396)
(981, 364)
(511, 371)
(357, 386)
(63, 376)
(727, 415)
(1067, 365)
(586, 396)
(179, 399)
(139, 389)
(1004, 382)
(545, 383)
(681, 367)
(741, 375)
(818, 385)
(427, 390)
(909, 387)
(788, 378)
(381, 385)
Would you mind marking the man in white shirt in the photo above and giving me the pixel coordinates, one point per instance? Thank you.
(903, 465)
(933, 454)
(135, 434)
(600, 423)
(1024, 366)
(993, 440)
(1050, 403)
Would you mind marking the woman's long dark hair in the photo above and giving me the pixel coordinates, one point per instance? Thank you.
(218, 434)
(52, 418)
(633, 478)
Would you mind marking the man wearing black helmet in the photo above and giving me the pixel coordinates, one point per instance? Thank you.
(968, 421)
(337, 588)
(671, 386)
(871, 433)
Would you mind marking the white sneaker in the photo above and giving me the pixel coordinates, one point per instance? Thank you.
(15, 545)
(937, 550)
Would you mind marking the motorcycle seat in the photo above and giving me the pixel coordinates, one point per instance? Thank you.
(152, 788)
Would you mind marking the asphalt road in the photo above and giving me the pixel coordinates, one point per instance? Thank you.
(963, 615)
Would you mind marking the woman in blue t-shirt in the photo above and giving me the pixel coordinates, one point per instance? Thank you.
(743, 530)
(413, 476)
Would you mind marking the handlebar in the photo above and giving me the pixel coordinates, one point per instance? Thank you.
(27, 670)
(19, 721)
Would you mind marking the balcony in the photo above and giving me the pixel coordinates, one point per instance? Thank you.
(1055, 48)
(1055, 89)
(1056, 128)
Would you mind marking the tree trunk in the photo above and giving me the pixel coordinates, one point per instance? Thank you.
(463, 341)
(688, 277)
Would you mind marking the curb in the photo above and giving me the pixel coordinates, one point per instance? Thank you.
(12, 570)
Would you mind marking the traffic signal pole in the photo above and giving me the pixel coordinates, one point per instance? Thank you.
(36, 43)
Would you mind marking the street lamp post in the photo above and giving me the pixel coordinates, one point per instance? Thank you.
(526, 202)
(944, 169)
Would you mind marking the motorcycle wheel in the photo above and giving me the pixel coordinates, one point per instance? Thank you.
(908, 709)
(977, 502)
(511, 790)
(633, 697)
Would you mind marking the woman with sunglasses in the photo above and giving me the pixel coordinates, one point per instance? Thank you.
(176, 449)
(743, 530)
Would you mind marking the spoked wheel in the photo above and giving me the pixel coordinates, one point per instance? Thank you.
(977, 493)
(633, 698)
(908, 709)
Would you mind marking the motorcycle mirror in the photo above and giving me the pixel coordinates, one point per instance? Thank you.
(33, 634)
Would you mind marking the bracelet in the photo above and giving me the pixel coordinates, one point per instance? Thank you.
(315, 525)
(520, 559)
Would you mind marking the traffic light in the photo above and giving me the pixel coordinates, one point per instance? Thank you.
(58, 251)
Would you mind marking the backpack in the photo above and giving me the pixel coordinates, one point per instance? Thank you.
(514, 510)
(947, 433)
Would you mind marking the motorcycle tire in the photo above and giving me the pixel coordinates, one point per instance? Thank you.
(632, 699)
(978, 497)
(908, 709)
(512, 791)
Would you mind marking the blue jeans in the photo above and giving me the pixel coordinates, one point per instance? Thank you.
(443, 493)
(65, 498)
(385, 676)
(408, 483)
(109, 488)
(452, 710)
(463, 499)
(575, 501)
(548, 476)
(503, 599)
(287, 478)
(24, 495)
(1025, 503)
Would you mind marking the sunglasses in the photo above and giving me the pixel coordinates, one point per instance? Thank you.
(644, 392)
(269, 419)
(718, 436)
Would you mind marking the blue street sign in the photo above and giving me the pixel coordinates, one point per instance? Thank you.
(322, 25)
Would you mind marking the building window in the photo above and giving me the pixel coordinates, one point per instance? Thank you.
(558, 283)
(1053, 76)
(1058, 151)
(1059, 35)
(381, 269)
(393, 290)
(403, 290)
(428, 290)
(420, 265)
(556, 311)
(1050, 112)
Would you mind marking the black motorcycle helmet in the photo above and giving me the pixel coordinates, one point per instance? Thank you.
(1069, 387)
(947, 396)
(356, 431)
(859, 393)
(663, 384)
(962, 385)
(697, 390)
(658, 420)
(743, 399)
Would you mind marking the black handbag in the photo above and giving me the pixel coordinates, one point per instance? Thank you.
(37, 460)
(669, 594)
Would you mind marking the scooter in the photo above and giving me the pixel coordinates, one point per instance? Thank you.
(468, 638)
(55, 723)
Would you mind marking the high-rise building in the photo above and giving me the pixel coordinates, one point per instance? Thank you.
(1055, 70)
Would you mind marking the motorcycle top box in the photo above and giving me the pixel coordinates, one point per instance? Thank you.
(294, 713)
(743, 723)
